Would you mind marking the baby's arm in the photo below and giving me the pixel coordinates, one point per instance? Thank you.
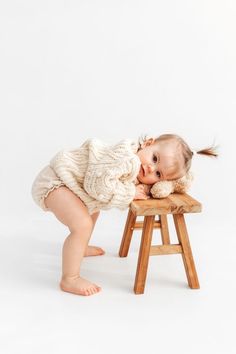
(142, 191)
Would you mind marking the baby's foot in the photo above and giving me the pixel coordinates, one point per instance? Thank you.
(94, 251)
(78, 286)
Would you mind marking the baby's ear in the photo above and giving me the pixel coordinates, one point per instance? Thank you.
(146, 140)
(164, 188)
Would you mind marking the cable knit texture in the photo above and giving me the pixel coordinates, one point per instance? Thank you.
(101, 175)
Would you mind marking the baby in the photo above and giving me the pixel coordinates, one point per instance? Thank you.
(78, 183)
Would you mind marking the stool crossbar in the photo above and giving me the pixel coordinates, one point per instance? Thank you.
(155, 212)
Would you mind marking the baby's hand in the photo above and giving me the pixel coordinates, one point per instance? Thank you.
(147, 188)
(141, 192)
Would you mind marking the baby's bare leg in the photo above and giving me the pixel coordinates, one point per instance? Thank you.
(71, 211)
(94, 250)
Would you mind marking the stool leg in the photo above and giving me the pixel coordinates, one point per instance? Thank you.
(187, 252)
(164, 230)
(144, 252)
(127, 235)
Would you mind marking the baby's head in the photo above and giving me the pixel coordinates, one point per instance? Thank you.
(167, 157)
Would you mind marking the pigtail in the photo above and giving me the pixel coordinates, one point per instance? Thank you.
(210, 151)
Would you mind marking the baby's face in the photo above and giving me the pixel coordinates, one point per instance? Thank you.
(160, 161)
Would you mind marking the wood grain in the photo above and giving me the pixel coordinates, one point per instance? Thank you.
(174, 204)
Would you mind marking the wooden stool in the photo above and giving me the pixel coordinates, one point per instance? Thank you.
(175, 204)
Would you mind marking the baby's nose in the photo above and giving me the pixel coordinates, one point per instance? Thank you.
(151, 168)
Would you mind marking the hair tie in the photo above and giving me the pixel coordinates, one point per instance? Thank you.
(194, 152)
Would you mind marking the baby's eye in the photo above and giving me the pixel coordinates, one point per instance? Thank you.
(158, 174)
(154, 158)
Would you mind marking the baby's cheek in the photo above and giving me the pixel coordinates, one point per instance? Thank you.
(154, 179)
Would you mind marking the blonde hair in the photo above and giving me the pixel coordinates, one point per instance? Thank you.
(185, 149)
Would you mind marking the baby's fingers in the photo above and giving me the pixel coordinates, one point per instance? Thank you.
(141, 196)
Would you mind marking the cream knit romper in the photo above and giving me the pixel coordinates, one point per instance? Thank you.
(45, 182)
(102, 176)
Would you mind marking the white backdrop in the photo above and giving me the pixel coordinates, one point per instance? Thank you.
(72, 70)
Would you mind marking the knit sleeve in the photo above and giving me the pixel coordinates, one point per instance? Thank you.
(107, 184)
(112, 182)
(123, 195)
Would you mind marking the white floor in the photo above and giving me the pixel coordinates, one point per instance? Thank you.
(36, 317)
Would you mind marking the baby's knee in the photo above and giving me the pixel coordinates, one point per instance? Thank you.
(84, 224)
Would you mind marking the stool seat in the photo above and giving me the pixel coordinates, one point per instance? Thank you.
(175, 204)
